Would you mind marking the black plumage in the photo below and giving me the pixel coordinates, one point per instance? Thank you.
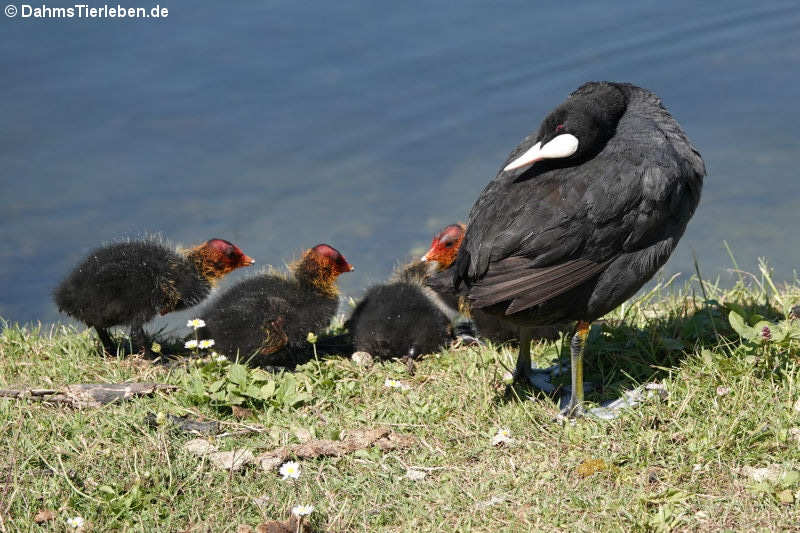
(128, 283)
(440, 256)
(582, 214)
(269, 316)
(398, 319)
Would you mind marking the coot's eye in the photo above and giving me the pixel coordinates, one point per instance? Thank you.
(559, 127)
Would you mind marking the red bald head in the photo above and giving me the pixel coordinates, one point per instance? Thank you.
(331, 255)
(445, 245)
(217, 257)
(227, 253)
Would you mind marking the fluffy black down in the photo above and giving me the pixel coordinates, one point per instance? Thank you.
(269, 316)
(128, 284)
(396, 320)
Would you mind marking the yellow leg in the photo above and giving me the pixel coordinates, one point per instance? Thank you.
(575, 407)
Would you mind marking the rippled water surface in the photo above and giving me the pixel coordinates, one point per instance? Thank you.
(367, 125)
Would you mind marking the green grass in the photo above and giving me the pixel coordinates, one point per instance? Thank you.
(668, 464)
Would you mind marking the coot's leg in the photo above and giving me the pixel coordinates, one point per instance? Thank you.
(105, 338)
(522, 371)
(575, 407)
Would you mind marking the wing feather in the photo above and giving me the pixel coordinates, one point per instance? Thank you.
(526, 287)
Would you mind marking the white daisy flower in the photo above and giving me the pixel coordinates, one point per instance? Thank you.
(190, 345)
(508, 378)
(219, 358)
(196, 323)
(311, 337)
(206, 343)
(75, 522)
(503, 437)
(290, 469)
(394, 384)
(302, 510)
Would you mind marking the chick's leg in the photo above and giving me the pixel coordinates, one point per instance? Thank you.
(105, 338)
(139, 340)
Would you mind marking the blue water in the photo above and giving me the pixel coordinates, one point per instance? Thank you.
(278, 125)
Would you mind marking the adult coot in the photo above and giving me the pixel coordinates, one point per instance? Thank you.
(581, 215)
(128, 283)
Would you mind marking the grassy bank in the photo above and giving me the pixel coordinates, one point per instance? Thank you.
(675, 463)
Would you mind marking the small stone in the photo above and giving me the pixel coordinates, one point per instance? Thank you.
(44, 515)
(270, 462)
(362, 358)
(303, 434)
(261, 501)
(795, 434)
(415, 475)
(771, 473)
(241, 412)
(494, 500)
(723, 391)
(233, 460)
(785, 496)
(199, 447)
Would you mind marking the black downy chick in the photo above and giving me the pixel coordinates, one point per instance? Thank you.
(129, 283)
(269, 316)
(404, 318)
(398, 320)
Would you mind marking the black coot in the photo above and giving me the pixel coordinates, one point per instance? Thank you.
(582, 214)
(128, 283)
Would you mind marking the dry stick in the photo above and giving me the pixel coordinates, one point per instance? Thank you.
(16, 393)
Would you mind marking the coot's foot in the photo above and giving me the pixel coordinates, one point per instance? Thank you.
(466, 334)
(631, 398)
(571, 412)
(467, 340)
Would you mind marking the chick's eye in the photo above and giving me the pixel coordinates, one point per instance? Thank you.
(559, 127)
(449, 245)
